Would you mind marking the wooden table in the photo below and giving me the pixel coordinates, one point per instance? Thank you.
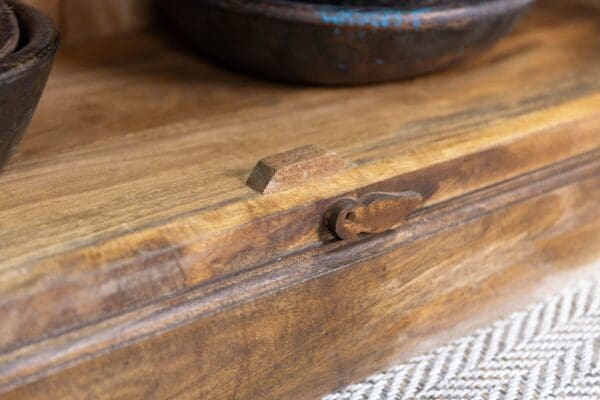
(135, 262)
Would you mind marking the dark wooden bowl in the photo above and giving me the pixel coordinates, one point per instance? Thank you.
(23, 75)
(343, 42)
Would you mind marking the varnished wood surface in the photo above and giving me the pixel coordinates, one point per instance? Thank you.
(81, 20)
(128, 197)
(320, 320)
(87, 19)
(131, 178)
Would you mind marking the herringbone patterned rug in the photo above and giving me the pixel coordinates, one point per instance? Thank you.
(549, 351)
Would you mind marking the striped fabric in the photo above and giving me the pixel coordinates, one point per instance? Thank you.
(549, 351)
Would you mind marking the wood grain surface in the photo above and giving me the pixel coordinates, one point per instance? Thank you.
(81, 20)
(129, 235)
(87, 19)
(319, 320)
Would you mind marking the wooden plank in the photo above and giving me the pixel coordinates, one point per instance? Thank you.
(128, 194)
(153, 263)
(345, 311)
(109, 190)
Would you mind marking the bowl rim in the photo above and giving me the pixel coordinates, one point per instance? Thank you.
(384, 17)
(42, 42)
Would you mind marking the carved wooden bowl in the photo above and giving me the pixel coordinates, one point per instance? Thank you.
(343, 42)
(23, 74)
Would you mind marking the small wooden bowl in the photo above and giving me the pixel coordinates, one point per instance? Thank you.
(343, 42)
(23, 74)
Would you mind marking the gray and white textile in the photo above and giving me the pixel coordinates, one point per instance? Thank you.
(549, 351)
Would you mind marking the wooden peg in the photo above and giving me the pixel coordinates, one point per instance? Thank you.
(291, 168)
